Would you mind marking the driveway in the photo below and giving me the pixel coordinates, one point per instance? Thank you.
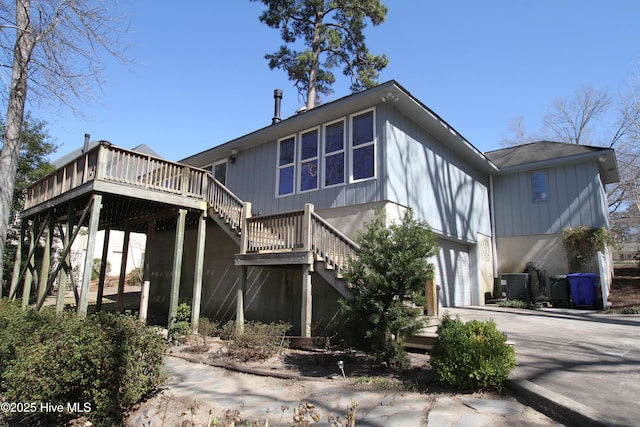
(591, 358)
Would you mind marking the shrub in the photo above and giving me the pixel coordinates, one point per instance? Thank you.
(472, 355)
(107, 361)
(181, 326)
(258, 341)
(388, 279)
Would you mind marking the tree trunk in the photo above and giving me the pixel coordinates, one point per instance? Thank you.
(25, 42)
(315, 62)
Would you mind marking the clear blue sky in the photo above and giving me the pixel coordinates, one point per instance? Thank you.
(203, 79)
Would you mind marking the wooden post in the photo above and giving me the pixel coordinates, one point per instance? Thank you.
(198, 273)
(46, 261)
(123, 271)
(28, 276)
(103, 268)
(65, 260)
(306, 227)
(305, 321)
(146, 283)
(177, 266)
(94, 222)
(432, 298)
(240, 291)
(246, 213)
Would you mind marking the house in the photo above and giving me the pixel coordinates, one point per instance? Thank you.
(266, 238)
(542, 188)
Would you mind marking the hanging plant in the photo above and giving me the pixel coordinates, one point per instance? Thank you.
(582, 244)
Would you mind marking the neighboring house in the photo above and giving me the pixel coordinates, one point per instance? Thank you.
(266, 238)
(541, 189)
(627, 251)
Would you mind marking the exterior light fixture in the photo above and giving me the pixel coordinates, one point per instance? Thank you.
(234, 153)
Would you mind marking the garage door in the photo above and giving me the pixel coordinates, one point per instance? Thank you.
(452, 274)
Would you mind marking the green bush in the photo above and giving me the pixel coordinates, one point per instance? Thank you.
(104, 363)
(258, 341)
(472, 355)
(180, 328)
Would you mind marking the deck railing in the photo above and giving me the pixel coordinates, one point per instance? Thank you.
(226, 204)
(278, 232)
(110, 163)
(329, 244)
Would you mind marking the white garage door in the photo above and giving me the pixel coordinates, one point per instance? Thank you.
(452, 274)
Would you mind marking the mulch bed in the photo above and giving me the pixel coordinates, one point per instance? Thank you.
(625, 288)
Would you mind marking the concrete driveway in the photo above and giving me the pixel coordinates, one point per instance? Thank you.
(590, 358)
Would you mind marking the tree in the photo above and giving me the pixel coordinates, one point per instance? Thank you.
(389, 276)
(54, 47)
(332, 33)
(32, 165)
(593, 117)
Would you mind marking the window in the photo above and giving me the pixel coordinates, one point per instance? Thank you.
(309, 161)
(539, 186)
(362, 146)
(334, 154)
(286, 165)
(220, 171)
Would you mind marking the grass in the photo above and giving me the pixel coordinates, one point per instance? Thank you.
(379, 383)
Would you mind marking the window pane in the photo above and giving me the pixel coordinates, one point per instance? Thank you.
(309, 175)
(287, 150)
(363, 128)
(334, 169)
(309, 145)
(220, 172)
(334, 135)
(363, 162)
(539, 186)
(286, 181)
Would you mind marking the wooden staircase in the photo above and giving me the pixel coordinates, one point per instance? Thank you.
(297, 231)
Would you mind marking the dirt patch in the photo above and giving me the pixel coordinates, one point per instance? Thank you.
(625, 289)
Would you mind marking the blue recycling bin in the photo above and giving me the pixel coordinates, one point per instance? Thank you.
(584, 289)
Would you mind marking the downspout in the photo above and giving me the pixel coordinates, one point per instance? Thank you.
(494, 237)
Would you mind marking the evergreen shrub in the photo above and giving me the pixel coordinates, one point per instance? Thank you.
(472, 355)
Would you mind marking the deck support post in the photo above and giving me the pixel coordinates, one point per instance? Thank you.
(94, 222)
(123, 271)
(103, 268)
(177, 266)
(64, 264)
(146, 284)
(45, 266)
(198, 273)
(28, 275)
(305, 319)
(240, 291)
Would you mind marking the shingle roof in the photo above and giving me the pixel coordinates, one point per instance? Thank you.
(537, 152)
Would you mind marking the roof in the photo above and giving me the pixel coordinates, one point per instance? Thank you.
(541, 154)
(389, 91)
(67, 158)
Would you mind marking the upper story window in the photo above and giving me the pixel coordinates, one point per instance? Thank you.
(362, 146)
(334, 154)
(220, 171)
(286, 165)
(318, 157)
(309, 161)
(539, 186)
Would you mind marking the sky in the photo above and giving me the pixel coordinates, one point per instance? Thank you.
(200, 78)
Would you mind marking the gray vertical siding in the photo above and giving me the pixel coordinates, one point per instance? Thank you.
(441, 188)
(253, 178)
(576, 198)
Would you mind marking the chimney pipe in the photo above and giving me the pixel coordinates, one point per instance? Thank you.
(86, 142)
(277, 95)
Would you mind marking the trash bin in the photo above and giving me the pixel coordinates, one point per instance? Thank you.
(517, 286)
(584, 289)
(559, 289)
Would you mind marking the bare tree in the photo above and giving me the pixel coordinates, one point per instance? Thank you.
(55, 48)
(593, 117)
